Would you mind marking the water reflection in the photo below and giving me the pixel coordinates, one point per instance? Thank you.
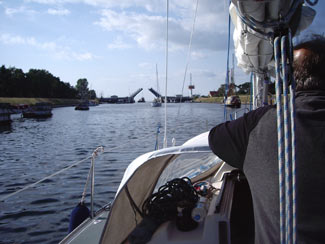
(5, 128)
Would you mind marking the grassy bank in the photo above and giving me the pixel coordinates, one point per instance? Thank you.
(56, 102)
(244, 99)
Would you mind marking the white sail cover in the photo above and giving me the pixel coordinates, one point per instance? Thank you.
(193, 159)
(254, 52)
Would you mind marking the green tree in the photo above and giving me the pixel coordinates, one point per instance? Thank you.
(92, 94)
(35, 83)
(244, 89)
(221, 90)
(82, 88)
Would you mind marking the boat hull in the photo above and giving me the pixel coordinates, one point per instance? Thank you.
(155, 104)
(36, 115)
(5, 122)
(81, 108)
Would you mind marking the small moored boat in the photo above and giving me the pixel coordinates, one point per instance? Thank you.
(39, 110)
(141, 100)
(5, 114)
(82, 106)
(233, 102)
(156, 103)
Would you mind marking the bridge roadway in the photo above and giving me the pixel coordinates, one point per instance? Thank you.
(130, 99)
(170, 99)
(116, 99)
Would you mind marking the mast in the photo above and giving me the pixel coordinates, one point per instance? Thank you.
(159, 98)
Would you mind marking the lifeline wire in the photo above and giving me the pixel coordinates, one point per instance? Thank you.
(56, 173)
(65, 169)
(40, 181)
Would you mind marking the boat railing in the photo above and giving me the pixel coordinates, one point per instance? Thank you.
(234, 115)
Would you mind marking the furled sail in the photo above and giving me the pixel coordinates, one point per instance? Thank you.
(257, 22)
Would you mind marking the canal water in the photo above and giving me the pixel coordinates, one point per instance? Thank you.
(31, 149)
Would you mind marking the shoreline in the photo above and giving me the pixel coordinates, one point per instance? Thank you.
(56, 102)
(244, 99)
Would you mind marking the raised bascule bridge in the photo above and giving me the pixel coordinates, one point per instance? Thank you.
(170, 99)
(116, 99)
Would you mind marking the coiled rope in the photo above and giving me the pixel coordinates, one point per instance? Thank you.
(162, 205)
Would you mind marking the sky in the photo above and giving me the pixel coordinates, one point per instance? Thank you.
(116, 44)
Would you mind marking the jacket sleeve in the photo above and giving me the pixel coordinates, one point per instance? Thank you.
(229, 140)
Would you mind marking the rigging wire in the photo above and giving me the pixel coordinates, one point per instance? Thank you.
(189, 48)
(165, 131)
(251, 92)
(227, 75)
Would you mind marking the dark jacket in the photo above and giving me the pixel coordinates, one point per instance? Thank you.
(250, 144)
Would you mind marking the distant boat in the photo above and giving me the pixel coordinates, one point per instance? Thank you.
(5, 114)
(17, 109)
(157, 101)
(141, 100)
(233, 102)
(92, 103)
(82, 106)
(39, 110)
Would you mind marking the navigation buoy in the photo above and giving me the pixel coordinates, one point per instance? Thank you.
(78, 215)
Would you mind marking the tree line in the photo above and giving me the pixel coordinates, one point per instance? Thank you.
(243, 89)
(39, 83)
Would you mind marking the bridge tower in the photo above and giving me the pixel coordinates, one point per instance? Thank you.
(191, 87)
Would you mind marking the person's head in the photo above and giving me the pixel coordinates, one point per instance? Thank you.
(309, 64)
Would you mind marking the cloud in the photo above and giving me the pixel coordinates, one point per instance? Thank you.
(121, 4)
(145, 65)
(198, 55)
(21, 10)
(57, 51)
(118, 43)
(144, 21)
(58, 11)
(149, 31)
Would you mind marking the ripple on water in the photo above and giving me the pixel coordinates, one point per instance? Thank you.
(22, 214)
(67, 138)
(17, 229)
(38, 233)
(43, 201)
